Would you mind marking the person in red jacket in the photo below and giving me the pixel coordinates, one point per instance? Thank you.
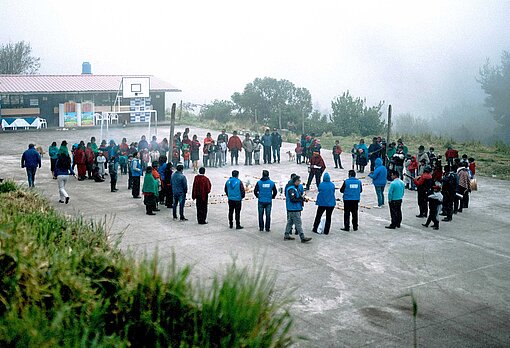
(200, 193)
(424, 184)
(81, 161)
(450, 155)
(317, 167)
(234, 145)
(90, 158)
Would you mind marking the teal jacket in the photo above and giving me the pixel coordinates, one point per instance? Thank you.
(396, 190)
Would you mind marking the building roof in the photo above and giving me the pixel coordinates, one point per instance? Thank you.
(48, 84)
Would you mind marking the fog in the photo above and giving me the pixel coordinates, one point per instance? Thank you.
(419, 56)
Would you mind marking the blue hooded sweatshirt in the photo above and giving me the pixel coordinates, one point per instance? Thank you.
(380, 173)
(179, 184)
(233, 189)
(326, 196)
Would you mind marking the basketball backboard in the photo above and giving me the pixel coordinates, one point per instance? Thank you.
(135, 87)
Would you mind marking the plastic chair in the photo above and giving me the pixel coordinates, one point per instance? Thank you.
(43, 123)
(114, 117)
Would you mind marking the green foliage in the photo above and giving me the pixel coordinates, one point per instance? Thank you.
(352, 116)
(7, 186)
(274, 103)
(219, 110)
(16, 58)
(495, 81)
(63, 284)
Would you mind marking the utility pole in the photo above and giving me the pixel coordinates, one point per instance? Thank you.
(280, 119)
(389, 125)
(180, 111)
(172, 129)
(255, 116)
(303, 121)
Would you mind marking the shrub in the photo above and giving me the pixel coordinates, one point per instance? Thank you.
(63, 284)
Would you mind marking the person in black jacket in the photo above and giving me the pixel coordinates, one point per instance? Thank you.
(448, 190)
(276, 144)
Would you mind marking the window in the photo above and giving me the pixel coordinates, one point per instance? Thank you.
(34, 102)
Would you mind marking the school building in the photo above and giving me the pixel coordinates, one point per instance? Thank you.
(29, 101)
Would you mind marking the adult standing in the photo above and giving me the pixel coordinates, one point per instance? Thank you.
(179, 190)
(276, 144)
(136, 173)
(90, 159)
(143, 144)
(265, 191)
(248, 150)
(351, 188)
(53, 153)
(234, 189)
(195, 152)
(200, 193)
(463, 187)
(223, 138)
(326, 202)
(395, 196)
(374, 152)
(63, 168)
(317, 167)
(423, 184)
(31, 160)
(150, 191)
(234, 145)
(379, 176)
(266, 143)
(294, 202)
(154, 145)
(363, 146)
(337, 152)
(448, 189)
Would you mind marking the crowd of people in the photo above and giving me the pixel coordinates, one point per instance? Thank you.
(441, 190)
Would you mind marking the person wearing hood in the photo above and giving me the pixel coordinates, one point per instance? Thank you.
(378, 177)
(256, 149)
(363, 146)
(317, 167)
(424, 184)
(179, 191)
(326, 202)
(234, 189)
(265, 191)
(150, 191)
(294, 202)
(53, 153)
(200, 193)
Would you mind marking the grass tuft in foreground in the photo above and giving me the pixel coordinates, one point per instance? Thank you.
(62, 283)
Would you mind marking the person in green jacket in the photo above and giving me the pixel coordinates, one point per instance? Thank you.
(53, 153)
(93, 145)
(150, 191)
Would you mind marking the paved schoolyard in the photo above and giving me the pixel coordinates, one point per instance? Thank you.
(351, 288)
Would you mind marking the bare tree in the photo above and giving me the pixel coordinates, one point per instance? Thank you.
(16, 58)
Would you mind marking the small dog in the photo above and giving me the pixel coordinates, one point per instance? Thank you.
(292, 156)
(40, 150)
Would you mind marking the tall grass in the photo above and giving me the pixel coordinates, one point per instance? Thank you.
(62, 283)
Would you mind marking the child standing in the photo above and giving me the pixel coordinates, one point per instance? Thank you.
(354, 152)
(435, 205)
(337, 151)
(472, 167)
(213, 148)
(299, 152)
(257, 146)
(186, 154)
(150, 192)
(101, 161)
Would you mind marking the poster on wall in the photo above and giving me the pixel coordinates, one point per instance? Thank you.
(70, 114)
(87, 114)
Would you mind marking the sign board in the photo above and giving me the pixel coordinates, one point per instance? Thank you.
(87, 114)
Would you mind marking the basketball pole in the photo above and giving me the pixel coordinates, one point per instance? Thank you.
(172, 130)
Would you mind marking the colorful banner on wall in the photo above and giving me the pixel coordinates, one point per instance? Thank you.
(70, 114)
(87, 114)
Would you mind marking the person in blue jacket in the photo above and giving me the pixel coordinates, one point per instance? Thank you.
(136, 173)
(267, 143)
(31, 160)
(351, 189)
(234, 189)
(326, 202)
(179, 191)
(395, 196)
(294, 201)
(265, 191)
(379, 176)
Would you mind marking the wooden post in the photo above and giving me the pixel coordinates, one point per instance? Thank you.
(280, 119)
(180, 111)
(389, 125)
(172, 130)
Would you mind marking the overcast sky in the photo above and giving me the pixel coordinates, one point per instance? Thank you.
(419, 56)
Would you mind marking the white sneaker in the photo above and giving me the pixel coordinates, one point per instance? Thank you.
(377, 207)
